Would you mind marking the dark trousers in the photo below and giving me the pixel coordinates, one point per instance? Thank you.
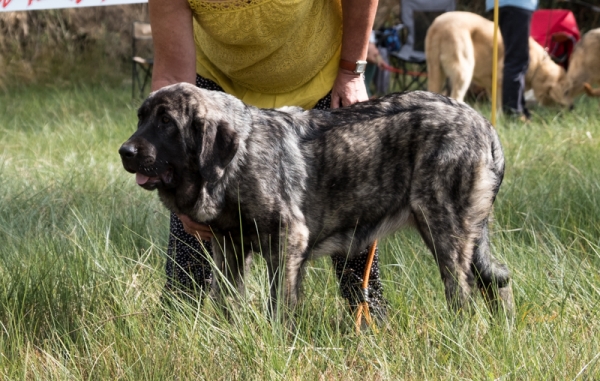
(515, 25)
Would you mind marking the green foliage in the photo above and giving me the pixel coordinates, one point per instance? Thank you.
(82, 254)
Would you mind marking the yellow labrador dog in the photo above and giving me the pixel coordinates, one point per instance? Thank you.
(584, 68)
(458, 47)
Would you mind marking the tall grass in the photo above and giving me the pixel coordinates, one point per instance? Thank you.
(82, 251)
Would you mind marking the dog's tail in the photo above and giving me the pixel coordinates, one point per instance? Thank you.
(498, 159)
(488, 270)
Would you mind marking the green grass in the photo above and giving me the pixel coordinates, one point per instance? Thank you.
(82, 251)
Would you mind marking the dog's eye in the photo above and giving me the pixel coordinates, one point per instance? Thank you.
(165, 119)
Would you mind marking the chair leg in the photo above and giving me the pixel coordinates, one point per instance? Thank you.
(141, 76)
(412, 76)
(416, 79)
(133, 80)
(147, 76)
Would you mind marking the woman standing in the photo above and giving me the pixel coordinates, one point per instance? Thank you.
(268, 53)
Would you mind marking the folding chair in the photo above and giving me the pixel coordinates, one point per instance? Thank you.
(416, 17)
(141, 46)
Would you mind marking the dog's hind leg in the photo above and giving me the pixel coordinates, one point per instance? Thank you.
(493, 277)
(460, 73)
(452, 252)
(436, 77)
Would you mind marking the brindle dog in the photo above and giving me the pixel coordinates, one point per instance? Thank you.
(295, 184)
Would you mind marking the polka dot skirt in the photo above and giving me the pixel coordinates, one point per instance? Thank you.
(188, 268)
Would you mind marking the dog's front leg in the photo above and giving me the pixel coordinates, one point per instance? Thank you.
(285, 262)
(231, 263)
(285, 277)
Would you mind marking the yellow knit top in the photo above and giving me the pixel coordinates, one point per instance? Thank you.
(269, 53)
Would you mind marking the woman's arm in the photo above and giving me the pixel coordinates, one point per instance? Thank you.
(174, 62)
(173, 38)
(358, 17)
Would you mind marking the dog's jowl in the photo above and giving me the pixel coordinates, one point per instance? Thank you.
(303, 184)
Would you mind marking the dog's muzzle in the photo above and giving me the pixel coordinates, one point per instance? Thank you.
(148, 175)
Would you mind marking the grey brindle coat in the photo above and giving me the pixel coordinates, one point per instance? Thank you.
(295, 185)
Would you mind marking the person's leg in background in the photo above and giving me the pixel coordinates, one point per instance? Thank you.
(514, 25)
(187, 268)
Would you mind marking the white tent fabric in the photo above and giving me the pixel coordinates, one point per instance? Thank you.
(32, 5)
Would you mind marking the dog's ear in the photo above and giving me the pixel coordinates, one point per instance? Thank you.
(219, 144)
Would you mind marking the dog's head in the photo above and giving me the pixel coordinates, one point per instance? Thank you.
(569, 88)
(582, 65)
(546, 77)
(546, 84)
(184, 141)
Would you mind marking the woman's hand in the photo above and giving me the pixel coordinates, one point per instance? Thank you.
(348, 89)
(195, 228)
(357, 20)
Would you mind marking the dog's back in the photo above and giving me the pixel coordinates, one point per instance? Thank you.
(374, 163)
(414, 158)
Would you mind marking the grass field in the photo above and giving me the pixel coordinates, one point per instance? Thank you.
(82, 251)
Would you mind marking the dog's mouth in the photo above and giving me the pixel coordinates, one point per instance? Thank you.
(162, 180)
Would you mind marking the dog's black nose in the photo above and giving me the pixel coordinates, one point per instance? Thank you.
(128, 150)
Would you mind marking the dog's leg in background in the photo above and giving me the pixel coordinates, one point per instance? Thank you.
(493, 277)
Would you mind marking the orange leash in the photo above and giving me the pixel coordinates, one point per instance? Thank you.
(400, 71)
(363, 307)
